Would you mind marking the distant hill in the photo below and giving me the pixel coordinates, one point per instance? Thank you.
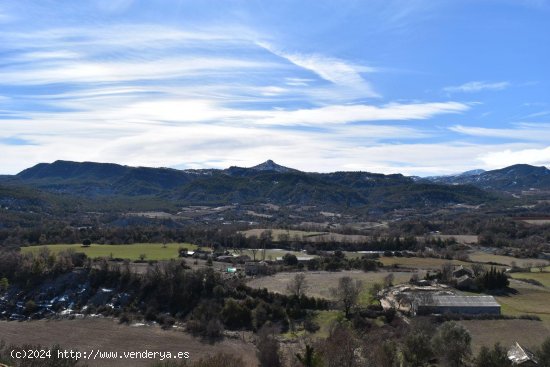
(519, 177)
(265, 183)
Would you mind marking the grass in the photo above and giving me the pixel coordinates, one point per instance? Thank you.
(325, 319)
(152, 251)
(272, 254)
(427, 263)
(320, 283)
(544, 278)
(488, 332)
(529, 300)
(506, 260)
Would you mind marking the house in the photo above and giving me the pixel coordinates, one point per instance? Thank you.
(441, 304)
(520, 356)
(462, 271)
(225, 258)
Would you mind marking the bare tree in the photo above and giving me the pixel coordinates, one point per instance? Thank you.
(298, 285)
(268, 347)
(347, 293)
(447, 272)
(254, 252)
(339, 349)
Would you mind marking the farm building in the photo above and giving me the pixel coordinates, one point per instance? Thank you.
(462, 271)
(519, 356)
(256, 268)
(440, 304)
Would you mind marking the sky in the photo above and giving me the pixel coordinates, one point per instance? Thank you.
(418, 87)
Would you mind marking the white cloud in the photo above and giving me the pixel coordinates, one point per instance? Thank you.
(341, 114)
(507, 157)
(521, 131)
(334, 70)
(477, 86)
(100, 72)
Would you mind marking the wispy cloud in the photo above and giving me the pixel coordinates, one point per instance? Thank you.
(336, 71)
(477, 86)
(101, 72)
(521, 131)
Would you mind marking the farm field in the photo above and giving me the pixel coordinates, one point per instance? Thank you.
(479, 256)
(321, 282)
(152, 251)
(487, 332)
(107, 335)
(271, 254)
(540, 222)
(419, 262)
(544, 278)
(460, 238)
(276, 233)
(529, 300)
(307, 236)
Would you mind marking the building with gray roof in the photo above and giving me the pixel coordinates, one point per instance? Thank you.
(425, 304)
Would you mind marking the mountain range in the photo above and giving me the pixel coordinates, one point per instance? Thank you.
(516, 178)
(268, 182)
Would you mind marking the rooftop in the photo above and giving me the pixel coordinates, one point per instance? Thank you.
(458, 301)
(518, 354)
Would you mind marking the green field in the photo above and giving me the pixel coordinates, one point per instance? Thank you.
(544, 278)
(529, 300)
(270, 254)
(419, 262)
(152, 251)
(506, 260)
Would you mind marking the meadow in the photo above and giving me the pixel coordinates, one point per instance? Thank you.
(543, 278)
(152, 251)
(479, 256)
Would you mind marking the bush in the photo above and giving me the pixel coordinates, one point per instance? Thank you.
(310, 325)
(290, 259)
(166, 321)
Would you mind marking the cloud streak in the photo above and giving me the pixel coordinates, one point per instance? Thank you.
(477, 86)
(336, 71)
(521, 131)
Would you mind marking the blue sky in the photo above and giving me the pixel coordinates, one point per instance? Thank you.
(410, 86)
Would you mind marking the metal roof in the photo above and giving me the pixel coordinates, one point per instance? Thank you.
(518, 354)
(457, 301)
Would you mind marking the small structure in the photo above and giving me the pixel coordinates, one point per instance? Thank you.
(255, 268)
(225, 258)
(462, 271)
(520, 356)
(440, 304)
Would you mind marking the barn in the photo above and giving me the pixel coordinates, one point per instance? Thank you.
(471, 305)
